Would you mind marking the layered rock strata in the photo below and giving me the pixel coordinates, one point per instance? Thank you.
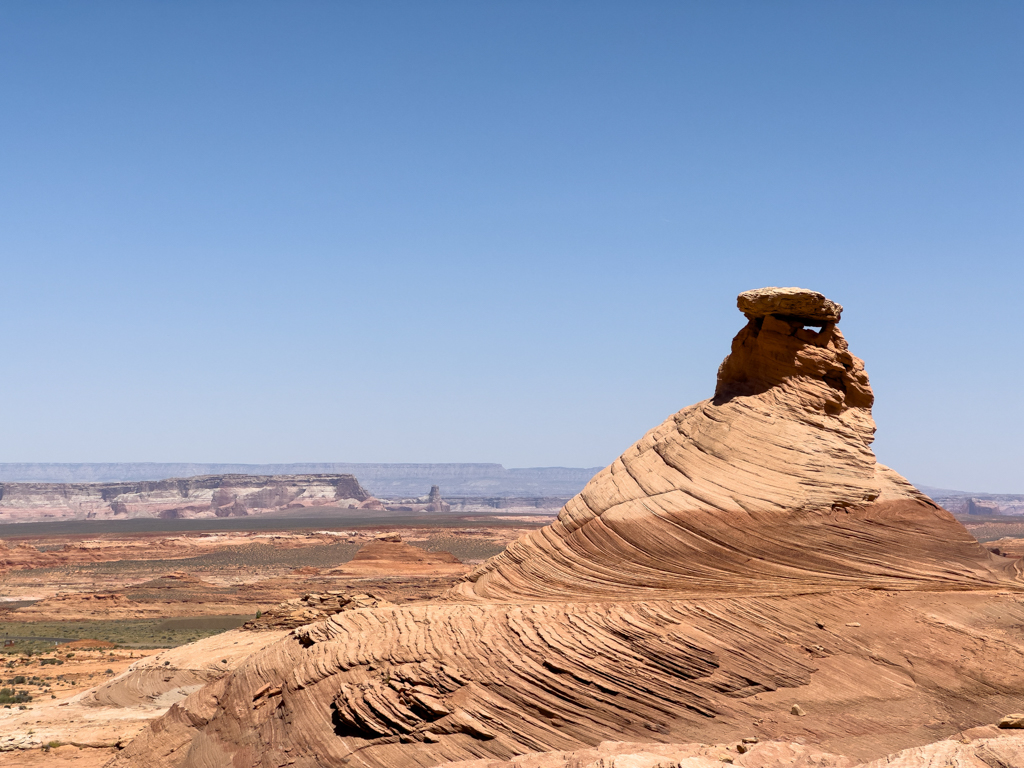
(769, 486)
(745, 556)
(311, 608)
(185, 497)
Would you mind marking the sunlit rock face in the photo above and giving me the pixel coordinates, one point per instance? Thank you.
(205, 496)
(770, 486)
(746, 555)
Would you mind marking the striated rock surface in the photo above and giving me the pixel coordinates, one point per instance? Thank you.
(746, 555)
(789, 302)
(770, 486)
(977, 753)
(312, 607)
(189, 497)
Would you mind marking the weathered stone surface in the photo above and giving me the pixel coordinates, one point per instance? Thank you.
(699, 584)
(981, 753)
(790, 302)
(312, 607)
(770, 486)
(1012, 721)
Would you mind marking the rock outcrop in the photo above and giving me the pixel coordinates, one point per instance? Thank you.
(769, 487)
(188, 497)
(746, 555)
(435, 502)
(979, 753)
(310, 608)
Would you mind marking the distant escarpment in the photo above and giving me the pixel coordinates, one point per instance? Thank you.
(208, 496)
(382, 480)
(986, 504)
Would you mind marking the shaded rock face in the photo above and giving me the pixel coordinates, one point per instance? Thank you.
(747, 555)
(176, 498)
(982, 507)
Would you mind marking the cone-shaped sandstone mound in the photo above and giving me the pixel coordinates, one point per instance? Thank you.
(771, 485)
(747, 554)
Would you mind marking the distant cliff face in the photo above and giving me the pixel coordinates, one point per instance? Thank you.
(179, 497)
(390, 480)
(966, 503)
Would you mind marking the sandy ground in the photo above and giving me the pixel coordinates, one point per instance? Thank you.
(49, 713)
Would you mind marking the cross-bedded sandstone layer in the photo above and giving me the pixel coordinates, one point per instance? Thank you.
(746, 555)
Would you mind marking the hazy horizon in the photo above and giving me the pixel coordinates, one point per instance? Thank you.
(507, 232)
(8, 475)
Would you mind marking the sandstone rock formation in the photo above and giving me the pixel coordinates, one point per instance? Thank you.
(436, 503)
(388, 550)
(978, 752)
(312, 607)
(189, 497)
(770, 486)
(746, 555)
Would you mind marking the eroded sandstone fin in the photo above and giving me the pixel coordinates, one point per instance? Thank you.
(769, 486)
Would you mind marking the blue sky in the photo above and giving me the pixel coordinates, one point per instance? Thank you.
(511, 232)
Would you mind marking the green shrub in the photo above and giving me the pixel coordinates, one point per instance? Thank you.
(12, 696)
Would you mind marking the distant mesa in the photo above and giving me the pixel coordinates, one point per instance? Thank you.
(747, 555)
(975, 504)
(390, 481)
(209, 496)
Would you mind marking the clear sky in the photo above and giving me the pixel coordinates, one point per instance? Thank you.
(498, 231)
